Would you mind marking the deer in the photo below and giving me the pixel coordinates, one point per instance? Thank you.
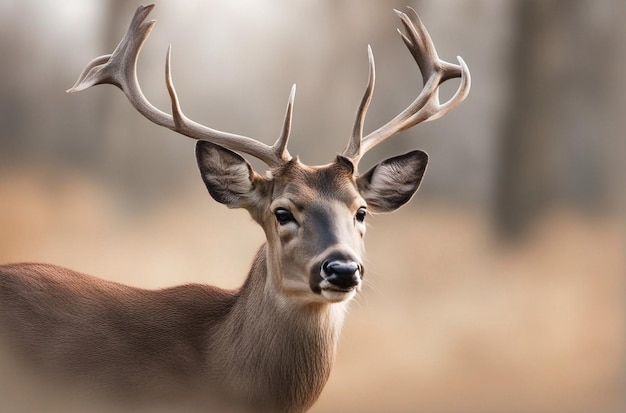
(269, 345)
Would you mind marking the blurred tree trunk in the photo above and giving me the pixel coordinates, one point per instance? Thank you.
(552, 148)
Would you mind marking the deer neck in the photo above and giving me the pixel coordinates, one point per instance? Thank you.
(280, 353)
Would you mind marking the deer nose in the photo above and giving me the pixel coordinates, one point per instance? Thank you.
(342, 274)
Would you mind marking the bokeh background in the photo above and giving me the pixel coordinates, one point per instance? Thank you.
(499, 288)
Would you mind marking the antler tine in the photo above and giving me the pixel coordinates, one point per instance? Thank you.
(120, 69)
(353, 149)
(426, 106)
(280, 146)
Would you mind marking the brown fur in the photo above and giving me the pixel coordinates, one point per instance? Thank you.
(135, 344)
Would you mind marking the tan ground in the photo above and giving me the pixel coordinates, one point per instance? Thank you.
(450, 321)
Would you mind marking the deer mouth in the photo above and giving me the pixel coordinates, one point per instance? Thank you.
(335, 289)
(325, 285)
(321, 285)
(335, 294)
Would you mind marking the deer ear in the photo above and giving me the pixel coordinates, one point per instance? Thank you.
(392, 183)
(227, 176)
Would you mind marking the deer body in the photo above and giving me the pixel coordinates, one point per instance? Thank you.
(268, 346)
(134, 343)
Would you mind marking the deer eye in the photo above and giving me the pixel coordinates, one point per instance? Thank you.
(283, 216)
(361, 213)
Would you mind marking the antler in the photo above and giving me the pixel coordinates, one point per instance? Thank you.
(426, 106)
(120, 69)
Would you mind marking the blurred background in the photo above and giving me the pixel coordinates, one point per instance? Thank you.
(499, 288)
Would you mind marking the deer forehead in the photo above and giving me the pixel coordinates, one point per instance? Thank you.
(303, 186)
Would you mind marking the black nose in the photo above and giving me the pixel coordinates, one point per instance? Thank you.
(343, 274)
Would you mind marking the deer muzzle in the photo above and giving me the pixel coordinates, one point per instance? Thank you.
(337, 278)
